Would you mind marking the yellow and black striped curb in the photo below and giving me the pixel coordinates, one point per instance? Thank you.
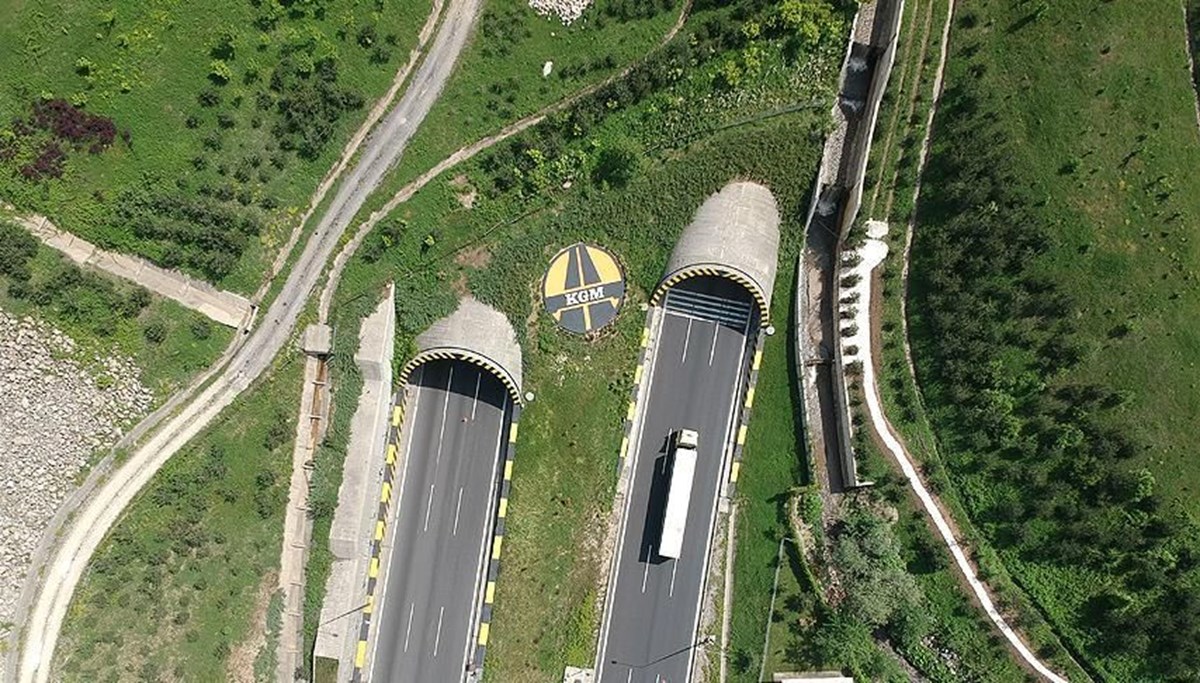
(474, 357)
(716, 270)
(639, 375)
(744, 414)
(386, 493)
(493, 569)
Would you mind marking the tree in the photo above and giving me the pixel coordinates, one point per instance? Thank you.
(617, 163)
(17, 248)
(155, 332)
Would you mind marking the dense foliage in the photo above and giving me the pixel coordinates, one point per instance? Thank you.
(1036, 459)
(37, 145)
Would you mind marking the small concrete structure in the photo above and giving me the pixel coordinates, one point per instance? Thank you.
(476, 333)
(735, 235)
(318, 340)
(574, 674)
(815, 677)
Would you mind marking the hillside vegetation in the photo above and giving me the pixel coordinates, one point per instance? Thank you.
(1053, 303)
(188, 133)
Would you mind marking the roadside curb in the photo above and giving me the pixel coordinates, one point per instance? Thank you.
(739, 443)
(639, 374)
(385, 499)
(493, 571)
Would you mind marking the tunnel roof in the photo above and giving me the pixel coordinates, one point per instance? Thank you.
(476, 333)
(734, 234)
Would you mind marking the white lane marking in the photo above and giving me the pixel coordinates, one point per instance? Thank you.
(631, 464)
(457, 510)
(475, 404)
(726, 457)
(437, 639)
(686, 337)
(408, 631)
(630, 676)
(398, 486)
(445, 410)
(646, 570)
(674, 568)
(428, 508)
(481, 574)
(713, 350)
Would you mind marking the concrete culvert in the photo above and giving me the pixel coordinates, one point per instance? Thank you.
(734, 235)
(475, 333)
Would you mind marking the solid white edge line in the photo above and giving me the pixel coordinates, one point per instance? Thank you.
(488, 529)
(726, 462)
(631, 457)
(393, 514)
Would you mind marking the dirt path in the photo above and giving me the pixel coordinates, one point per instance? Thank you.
(889, 438)
(463, 154)
(353, 145)
(240, 666)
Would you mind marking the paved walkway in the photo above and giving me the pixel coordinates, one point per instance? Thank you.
(223, 307)
(873, 253)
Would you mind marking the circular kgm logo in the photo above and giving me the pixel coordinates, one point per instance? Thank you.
(583, 288)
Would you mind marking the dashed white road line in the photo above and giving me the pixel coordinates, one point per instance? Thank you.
(457, 510)
(686, 337)
(408, 632)
(437, 639)
(674, 569)
(428, 508)
(712, 351)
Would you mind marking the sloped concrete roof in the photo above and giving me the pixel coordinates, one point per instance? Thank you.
(476, 333)
(734, 234)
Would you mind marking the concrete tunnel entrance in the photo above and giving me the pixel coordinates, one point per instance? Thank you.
(734, 236)
(477, 334)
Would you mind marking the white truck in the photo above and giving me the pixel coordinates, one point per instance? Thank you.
(679, 492)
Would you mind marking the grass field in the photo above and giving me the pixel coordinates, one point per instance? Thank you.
(1093, 112)
(171, 592)
(499, 77)
(193, 85)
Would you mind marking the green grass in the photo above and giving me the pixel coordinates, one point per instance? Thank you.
(191, 342)
(1117, 248)
(148, 66)
(891, 169)
(1094, 108)
(171, 591)
(498, 78)
(567, 452)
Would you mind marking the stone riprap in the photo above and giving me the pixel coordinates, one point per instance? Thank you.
(566, 10)
(57, 407)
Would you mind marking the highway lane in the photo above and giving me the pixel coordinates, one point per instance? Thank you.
(696, 382)
(96, 517)
(458, 420)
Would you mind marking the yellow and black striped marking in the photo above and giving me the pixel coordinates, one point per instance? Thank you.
(464, 355)
(744, 414)
(377, 536)
(726, 272)
(493, 570)
(583, 288)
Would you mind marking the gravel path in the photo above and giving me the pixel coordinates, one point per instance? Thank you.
(56, 414)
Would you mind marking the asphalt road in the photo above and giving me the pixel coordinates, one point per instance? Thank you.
(458, 420)
(696, 382)
(380, 152)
